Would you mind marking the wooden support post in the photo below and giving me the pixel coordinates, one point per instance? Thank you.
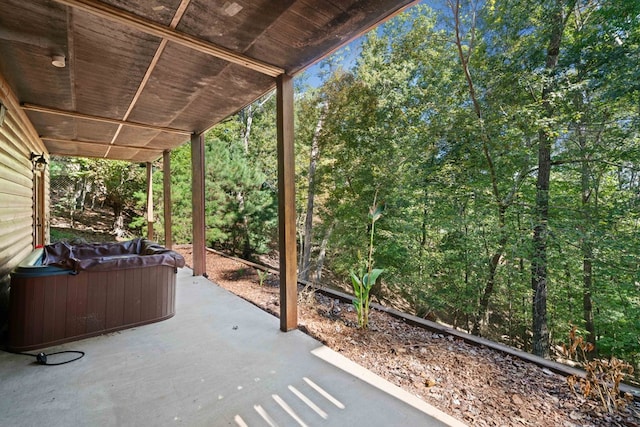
(287, 205)
(150, 201)
(166, 194)
(40, 222)
(197, 203)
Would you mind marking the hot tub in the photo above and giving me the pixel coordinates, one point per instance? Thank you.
(63, 292)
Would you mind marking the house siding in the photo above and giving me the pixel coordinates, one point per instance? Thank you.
(18, 139)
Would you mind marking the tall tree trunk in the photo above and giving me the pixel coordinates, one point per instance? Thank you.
(118, 221)
(247, 115)
(245, 235)
(502, 203)
(308, 222)
(423, 232)
(248, 121)
(323, 252)
(539, 274)
(587, 303)
(82, 194)
(540, 237)
(494, 261)
(585, 241)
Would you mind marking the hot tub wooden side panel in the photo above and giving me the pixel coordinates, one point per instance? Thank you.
(51, 310)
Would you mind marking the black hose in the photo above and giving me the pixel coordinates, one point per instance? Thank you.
(41, 358)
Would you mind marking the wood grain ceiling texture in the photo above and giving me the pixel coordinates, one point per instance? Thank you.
(110, 61)
(29, 36)
(129, 67)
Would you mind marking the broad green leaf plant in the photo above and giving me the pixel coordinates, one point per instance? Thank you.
(364, 282)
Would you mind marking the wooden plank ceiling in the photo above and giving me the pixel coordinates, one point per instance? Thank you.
(140, 76)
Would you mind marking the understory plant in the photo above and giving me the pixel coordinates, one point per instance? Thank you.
(603, 377)
(363, 282)
(262, 276)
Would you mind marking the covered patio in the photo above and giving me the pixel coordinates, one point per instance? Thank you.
(219, 361)
(126, 80)
(132, 80)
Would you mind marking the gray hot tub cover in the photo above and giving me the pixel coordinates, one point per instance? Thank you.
(110, 256)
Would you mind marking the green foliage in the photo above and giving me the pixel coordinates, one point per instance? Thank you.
(241, 205)
(75, 235)
(240, 175)
(58, 235)
(262, 276)
(362, 291)
(364, 282)
(79, 184)
(461, 190)
(182, 233)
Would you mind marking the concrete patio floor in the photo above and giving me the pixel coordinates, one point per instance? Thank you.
(219, 361)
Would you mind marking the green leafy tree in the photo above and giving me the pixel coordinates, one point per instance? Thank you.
(241, 209)
(451, 116)
(109, 182)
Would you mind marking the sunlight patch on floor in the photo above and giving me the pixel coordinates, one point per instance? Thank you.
(303, 414)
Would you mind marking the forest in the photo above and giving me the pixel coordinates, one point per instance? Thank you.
(501, 141)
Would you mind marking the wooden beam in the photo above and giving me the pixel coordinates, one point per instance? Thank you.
(47, 110)
(197, 203)
(286, 205)
(149, 27)
(152, 66)
(150, 201)
(166, 194)
(39, 208)
(102, 144)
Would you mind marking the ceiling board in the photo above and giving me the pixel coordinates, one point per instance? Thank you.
(107, 62)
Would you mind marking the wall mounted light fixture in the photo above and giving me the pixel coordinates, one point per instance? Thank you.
(39, 162)
(3, 111)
